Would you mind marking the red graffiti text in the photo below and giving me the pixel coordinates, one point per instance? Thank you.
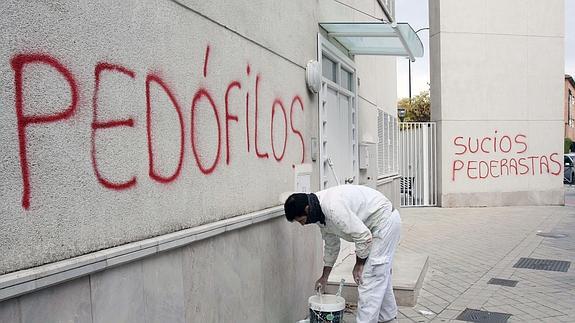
(281, 125)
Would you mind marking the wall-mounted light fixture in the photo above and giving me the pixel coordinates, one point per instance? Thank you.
(313, 76)
(401, 113)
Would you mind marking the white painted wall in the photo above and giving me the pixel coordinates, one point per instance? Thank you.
(70, 212)
(378, 90)
(497, 71)
(190, 284)
(74, 181)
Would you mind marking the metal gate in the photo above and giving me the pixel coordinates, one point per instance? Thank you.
(418, 163)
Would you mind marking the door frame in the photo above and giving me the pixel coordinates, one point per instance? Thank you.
(325, 47)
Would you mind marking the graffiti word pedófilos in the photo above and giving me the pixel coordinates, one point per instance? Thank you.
(282, 123)
(510, 158)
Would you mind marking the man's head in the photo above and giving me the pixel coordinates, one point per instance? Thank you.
(296, 208)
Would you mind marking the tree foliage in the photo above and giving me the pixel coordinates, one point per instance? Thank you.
(567, 145)
(418, 110)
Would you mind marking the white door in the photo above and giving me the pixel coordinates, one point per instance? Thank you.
(337, 117)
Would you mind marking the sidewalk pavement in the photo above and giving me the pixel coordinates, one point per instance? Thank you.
(470, 246)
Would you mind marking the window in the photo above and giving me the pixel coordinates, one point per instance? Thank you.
(346, 80)
(387, 145)
(328, 69)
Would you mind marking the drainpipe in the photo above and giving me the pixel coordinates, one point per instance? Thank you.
(386, 12)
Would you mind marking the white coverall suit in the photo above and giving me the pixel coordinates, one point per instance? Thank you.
(364, 216)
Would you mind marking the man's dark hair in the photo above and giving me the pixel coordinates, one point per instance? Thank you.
(295, 205)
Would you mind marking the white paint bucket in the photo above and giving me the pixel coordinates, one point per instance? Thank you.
(326, 308)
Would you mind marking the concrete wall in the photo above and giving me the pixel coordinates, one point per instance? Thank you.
(123, 121)
(223, 279)
(118, 123)
(377, 91)
(496, 81)
(118, 120)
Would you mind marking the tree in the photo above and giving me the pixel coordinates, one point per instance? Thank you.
(418, 110)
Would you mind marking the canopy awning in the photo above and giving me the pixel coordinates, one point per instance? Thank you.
(376, 38)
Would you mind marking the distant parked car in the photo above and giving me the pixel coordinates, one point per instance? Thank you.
(569, 172)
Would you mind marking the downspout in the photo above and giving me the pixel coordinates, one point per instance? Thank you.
(386, 12)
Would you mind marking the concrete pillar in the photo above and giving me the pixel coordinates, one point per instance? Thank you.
(496, 91)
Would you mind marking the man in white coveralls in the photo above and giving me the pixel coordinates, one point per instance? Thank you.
(366, 217)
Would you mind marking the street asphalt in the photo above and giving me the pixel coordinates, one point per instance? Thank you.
(470, 246)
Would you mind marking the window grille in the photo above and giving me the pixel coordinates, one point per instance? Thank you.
(387, 145)
(380, 162)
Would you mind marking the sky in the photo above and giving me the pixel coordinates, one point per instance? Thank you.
(416, 13)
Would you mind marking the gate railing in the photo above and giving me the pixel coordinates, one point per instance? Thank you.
(418, 163)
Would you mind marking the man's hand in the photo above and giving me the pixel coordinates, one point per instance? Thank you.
(321, 283)
(357, 271)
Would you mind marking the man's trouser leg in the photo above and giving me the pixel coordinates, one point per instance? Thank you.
(376, 278)
(376, 300)
(372, 293)
(388, 309)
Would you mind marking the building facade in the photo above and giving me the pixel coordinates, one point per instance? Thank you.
(146, 146)
(501, 139)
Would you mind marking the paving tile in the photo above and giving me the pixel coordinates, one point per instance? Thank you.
(449, 314)
(409, 312)
(468, 247)
(533, 311)
(523, 318)
(549, 311)
(400, 313)
(551, 319)
(419, 319)
(457, 306)
(475, 304)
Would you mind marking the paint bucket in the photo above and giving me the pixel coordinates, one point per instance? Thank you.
(326, 308)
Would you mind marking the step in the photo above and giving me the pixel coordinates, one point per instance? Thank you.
(408, 273)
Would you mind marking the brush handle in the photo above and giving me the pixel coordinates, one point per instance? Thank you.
(340, 287)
